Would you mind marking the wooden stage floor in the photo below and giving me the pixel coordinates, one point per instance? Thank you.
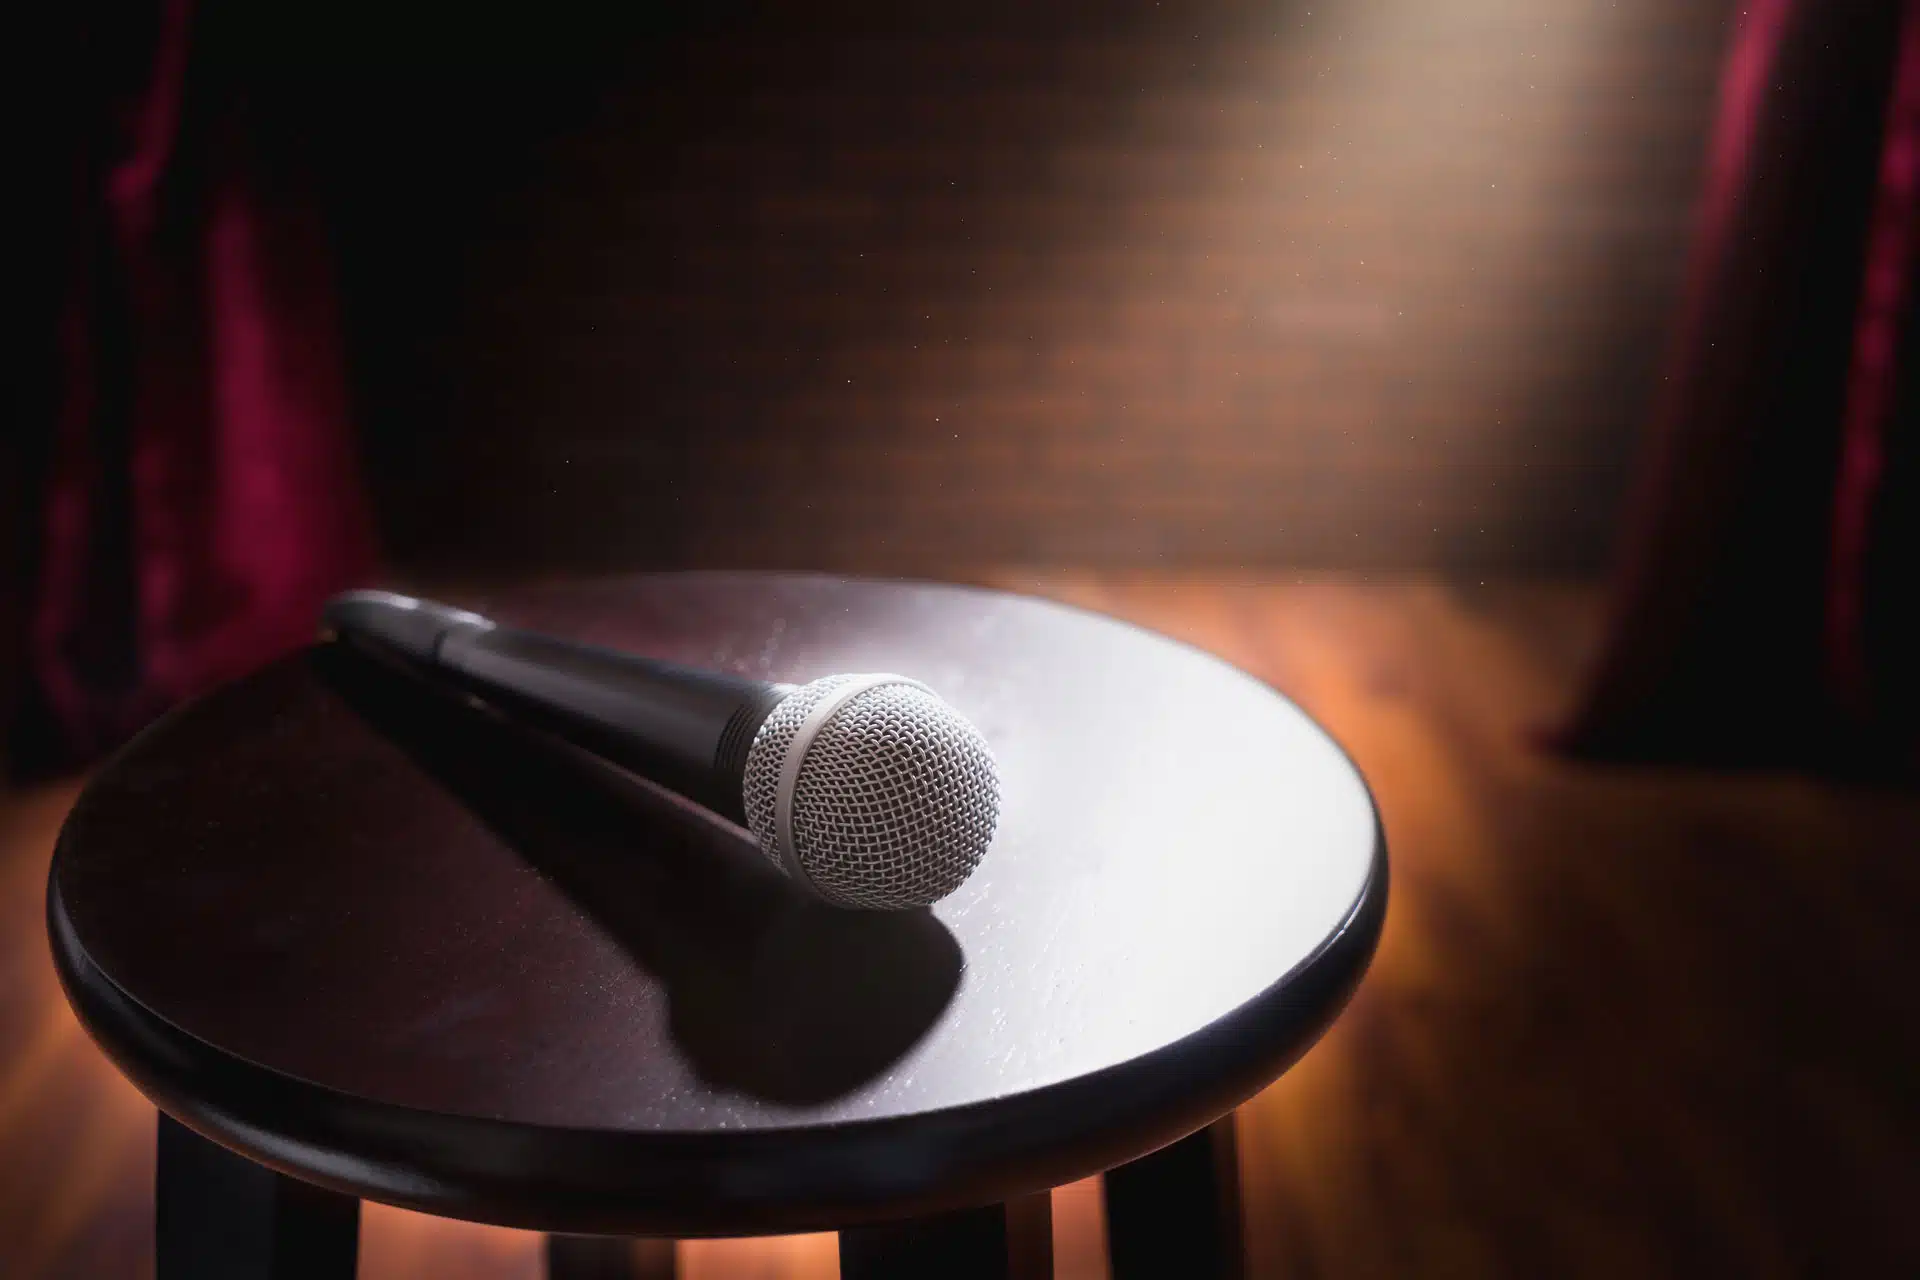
(1622, 1022)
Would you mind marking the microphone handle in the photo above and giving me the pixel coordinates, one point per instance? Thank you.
(681, 727)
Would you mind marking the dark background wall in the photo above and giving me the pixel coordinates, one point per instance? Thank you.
(1375, 283)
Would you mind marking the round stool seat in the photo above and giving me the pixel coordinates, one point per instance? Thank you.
(381, 939)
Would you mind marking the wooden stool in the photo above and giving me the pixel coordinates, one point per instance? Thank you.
(358, 938)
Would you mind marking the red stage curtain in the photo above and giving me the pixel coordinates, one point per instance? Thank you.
(200, 494)
(1761, 609)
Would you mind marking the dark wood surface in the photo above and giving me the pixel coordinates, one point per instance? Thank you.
(383, 940)
(1622, 1021)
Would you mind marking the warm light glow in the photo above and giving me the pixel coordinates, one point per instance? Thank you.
(1335, 281)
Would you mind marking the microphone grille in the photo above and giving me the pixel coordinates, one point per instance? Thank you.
(895, 800)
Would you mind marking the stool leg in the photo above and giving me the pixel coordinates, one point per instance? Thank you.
(1030, 1237)
(220, 1216)
(1012, 1241)
(1177, 1211)
(609, 1258)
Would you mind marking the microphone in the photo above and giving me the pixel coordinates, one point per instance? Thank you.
(867, 790)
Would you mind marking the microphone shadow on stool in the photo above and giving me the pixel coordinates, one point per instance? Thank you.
(771, 993)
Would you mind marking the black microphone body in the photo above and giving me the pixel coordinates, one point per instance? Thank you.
(684, 728)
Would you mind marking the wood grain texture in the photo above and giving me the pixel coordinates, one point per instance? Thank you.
(1380, 283)
(1621, 1022)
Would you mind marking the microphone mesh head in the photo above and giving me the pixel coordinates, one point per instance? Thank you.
(896, 799)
